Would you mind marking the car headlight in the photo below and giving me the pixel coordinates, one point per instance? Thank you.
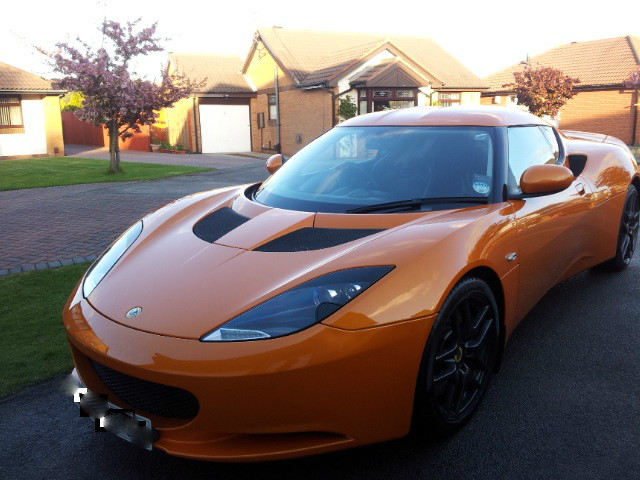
(109, 258)
(300, 307)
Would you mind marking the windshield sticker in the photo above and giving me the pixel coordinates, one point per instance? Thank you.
(481, 187)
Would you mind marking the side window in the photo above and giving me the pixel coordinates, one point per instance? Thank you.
(527, 146)
(553, 141)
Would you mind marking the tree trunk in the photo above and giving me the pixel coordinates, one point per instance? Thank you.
(114, 148)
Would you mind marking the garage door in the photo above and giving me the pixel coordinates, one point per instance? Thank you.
(225, 128)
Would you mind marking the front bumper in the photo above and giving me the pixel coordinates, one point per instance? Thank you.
(315, 391)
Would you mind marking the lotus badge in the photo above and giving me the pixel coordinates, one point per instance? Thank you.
(134, 312)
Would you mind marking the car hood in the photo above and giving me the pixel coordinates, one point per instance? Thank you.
(187, 286)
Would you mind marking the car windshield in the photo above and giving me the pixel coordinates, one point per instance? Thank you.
(352, 167)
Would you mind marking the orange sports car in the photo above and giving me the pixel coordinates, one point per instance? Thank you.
(367, 287)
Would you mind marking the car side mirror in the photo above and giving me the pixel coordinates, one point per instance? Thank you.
(274, 162)
(541, 179)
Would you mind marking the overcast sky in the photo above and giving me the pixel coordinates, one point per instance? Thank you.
(484, 36)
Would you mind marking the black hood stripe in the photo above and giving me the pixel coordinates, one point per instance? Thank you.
(306, 239)
(217, 224)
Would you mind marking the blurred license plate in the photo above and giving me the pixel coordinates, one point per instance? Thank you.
(108, 417)
(129, 426)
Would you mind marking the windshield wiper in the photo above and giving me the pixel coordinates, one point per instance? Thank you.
(415, 203)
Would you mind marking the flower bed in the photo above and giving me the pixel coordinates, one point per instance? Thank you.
(180, 152)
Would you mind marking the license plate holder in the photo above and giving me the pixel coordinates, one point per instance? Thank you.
(124, 423)
(129, 426)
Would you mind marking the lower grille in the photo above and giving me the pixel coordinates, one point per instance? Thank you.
(150, 397)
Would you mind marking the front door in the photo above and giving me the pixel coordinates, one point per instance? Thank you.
(553, 234)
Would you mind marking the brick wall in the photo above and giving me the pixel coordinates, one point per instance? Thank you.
(304, 114)
(605, 111)
(53, 125)
(262, 139)
(599, 111)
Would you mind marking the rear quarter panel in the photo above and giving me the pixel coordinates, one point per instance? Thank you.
(609, 170)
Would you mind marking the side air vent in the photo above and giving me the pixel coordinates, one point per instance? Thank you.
(577, 163)
(306, 239)
(217, 224)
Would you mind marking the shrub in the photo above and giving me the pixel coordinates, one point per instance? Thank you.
(347, 108)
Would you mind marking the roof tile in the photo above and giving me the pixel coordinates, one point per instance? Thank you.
(317, 56)
(596, 62)
(13, 78)
(221, 73)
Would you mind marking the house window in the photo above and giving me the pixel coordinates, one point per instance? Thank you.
(382, 93)
(273, 108)
(404, 93)
(363, 94)
(10, 112)
(449, 99)
(398, 104)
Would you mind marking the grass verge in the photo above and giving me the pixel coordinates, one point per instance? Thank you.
(33, 345)
(50, 172)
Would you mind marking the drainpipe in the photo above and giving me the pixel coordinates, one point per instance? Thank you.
(635, 101)
(278, 146)
(333, 102)
(196, 121)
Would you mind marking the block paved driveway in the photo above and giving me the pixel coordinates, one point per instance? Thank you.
(47, 227)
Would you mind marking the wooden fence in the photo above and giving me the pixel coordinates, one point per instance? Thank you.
(77, 132)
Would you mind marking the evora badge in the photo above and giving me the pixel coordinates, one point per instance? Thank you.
(134, 312)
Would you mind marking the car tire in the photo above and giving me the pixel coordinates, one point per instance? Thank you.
(458, 360)
(628, 233)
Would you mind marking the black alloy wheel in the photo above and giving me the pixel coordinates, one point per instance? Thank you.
(628, 233)
(629, 226)
(459, 359)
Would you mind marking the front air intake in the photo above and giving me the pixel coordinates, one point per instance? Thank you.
(150, 397)
(309, 238)
(217, 224)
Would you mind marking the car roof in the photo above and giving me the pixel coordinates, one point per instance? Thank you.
(477, 115)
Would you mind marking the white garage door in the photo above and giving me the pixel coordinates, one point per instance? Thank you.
(225, 128)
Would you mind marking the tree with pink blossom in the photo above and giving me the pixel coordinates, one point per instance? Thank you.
(114, 96)
(633, 82)
(543, 89)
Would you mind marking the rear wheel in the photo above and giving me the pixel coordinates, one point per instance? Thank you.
(459, 358)
(628, 233)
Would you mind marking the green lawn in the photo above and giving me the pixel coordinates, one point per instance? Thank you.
(49, 172)
(32, 344)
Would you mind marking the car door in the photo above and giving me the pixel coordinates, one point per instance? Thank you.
(552, 232)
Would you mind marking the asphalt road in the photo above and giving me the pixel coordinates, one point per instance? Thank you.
(566, 404)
